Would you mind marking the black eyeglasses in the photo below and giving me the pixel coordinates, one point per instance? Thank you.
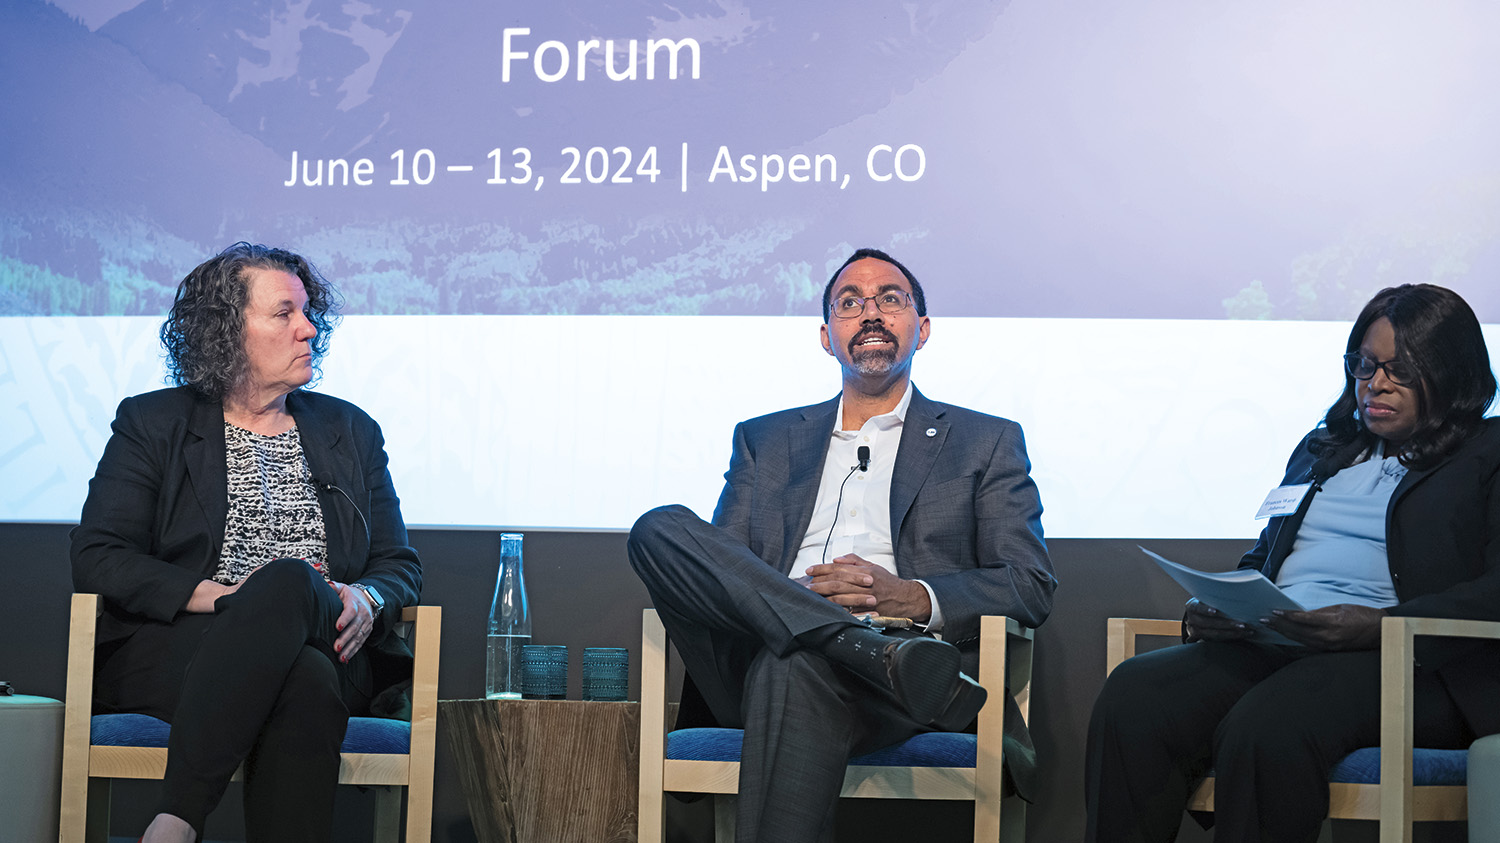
(853, 307)
(1363, 368)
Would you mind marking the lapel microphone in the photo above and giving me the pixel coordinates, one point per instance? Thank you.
(329, 488)
(863, 454)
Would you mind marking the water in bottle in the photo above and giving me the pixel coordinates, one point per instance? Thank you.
(510, 624)
(503, 668)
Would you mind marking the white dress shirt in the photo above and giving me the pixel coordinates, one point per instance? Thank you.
(852, 513)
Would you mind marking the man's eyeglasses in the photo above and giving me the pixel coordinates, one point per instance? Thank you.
(1363, 368)
(853, 307)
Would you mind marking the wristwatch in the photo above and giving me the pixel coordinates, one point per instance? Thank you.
(375, 598)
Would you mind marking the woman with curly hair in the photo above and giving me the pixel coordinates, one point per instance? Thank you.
(248, 543)
(1400, 515)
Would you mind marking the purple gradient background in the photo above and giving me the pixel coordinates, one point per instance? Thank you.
(1165, 159)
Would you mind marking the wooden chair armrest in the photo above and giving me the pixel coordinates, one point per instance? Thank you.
(426, 635)
(83, 619)
(1442, 627)
(994, 644)
(1397, 659)
(653, 673)
(82, 624)
(995, 658)
(1121, 633)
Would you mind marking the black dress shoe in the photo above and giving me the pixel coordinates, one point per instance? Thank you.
(925, 676)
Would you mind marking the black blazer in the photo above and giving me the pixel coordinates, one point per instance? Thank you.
(1442, 538)
(153, 524)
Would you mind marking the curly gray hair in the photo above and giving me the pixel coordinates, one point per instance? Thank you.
(204, 334)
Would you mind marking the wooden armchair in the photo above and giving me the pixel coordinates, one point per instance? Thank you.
(390, 755)
(1397, 786)
(1005, 651)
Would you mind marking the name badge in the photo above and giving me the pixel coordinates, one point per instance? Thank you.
(1283, 501)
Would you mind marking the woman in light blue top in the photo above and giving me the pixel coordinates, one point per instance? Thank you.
(1401, 517)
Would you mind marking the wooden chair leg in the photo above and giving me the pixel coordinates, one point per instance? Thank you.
(418, 812)
(651, 827)
(77, 807)
(988, 820)
(388, 813)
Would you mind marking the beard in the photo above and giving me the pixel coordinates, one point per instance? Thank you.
(874, 361)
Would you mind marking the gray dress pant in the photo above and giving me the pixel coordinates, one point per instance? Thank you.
(736, 622)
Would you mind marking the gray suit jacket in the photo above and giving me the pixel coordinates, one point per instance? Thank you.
(965, 515)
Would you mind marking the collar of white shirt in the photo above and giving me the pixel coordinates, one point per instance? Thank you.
(885, 421)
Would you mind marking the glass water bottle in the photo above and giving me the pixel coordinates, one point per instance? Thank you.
(510, 624)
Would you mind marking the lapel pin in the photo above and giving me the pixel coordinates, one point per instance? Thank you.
(931, 432)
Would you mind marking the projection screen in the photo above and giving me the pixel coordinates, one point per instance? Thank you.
(579, 240)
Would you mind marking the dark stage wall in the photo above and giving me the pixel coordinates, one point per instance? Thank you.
(583, 594)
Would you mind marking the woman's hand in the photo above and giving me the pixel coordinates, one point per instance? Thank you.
(207, 592)
(1201, 622)
(1346, 626)
(355, 623)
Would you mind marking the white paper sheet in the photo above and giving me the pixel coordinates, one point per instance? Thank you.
(1242, 594)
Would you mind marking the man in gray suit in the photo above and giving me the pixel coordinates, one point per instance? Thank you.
(876, 501)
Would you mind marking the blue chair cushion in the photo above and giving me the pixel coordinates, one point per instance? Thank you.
(377, 736)
(128, 730)
(1430, 767)
(929, 749)
(372, 735)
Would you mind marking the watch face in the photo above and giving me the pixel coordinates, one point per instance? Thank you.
(374, 595)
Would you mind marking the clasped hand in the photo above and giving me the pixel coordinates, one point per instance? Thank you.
(862, 586)
(355, 622)
(1345, 626)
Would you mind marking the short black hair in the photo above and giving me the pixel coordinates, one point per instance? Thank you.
(1437, 334)
(204, 334)
(917, 297)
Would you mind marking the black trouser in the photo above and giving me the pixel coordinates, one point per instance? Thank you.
(1270, 722)
(256, 683)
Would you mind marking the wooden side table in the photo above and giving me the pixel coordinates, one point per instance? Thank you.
(546, 771)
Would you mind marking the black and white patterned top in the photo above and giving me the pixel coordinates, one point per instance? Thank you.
(273, 505)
